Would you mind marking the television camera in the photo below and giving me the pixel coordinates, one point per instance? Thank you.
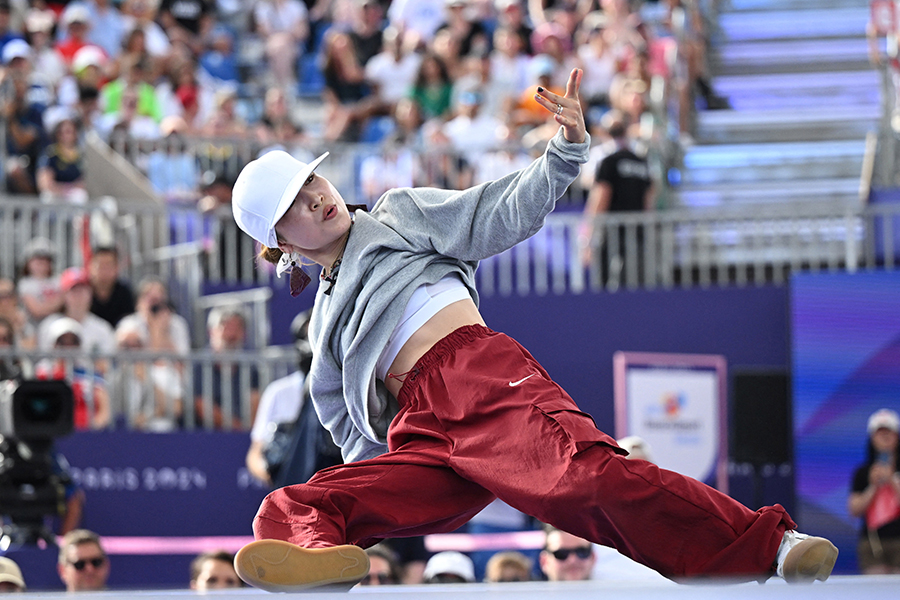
(33, 478)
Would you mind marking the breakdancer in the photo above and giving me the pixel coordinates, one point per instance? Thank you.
(437, 415)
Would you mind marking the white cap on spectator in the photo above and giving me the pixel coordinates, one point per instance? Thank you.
(16, 49)
(884, 418)
(88, 56)
(39, 20)
(264, 191)
(450, 563)
(636, 446)
(11, 573)
(63, 325)
(55, 115)
(75, 13)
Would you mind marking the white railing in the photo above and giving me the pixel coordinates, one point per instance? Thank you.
(674, 248)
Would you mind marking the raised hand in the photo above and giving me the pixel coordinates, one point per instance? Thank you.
(567, 108)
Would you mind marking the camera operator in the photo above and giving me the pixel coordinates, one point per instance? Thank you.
(287, 443)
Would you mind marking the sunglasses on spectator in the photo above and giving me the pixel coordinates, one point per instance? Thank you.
(381, 578)
(563, 554)
(96, 562)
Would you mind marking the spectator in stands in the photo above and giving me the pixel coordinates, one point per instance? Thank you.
(136, 78)
(10, 367)
(224, 120)
(88, 72)
(166, 330)
(112, 295)
(141, 14)
(60, 174)
(284, 26)
(462, 24)
(509, 67)
(390, 73)
(277, 127)
(6, 32)
(875, 496)
(433, 88)
(509, 566)
(97, 335)
(449, 567)
(367, 29)
(473, 131)
(445, 46)
(134, 49)
(149, 395)
(566, 557)
(92, 406)
(38, 286)
(478, 76)
(552, 41)
(11, 580)
(384, 566)
(597, 60)
(12, 312)
(219, 59)
(420, 18)
(512, 16)
(83, 565)
(108, 25)
(622, 183)
(22, 117)
(192, 19)
(348, 102)
(76, 22)
(214, 570)
(529, 113)
(38, 31)
(171, 167)
(235, 387)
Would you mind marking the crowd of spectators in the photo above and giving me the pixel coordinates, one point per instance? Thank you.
(456, 75)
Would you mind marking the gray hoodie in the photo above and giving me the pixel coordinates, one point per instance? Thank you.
(414, 237)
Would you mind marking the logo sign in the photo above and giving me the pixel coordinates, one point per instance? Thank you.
(884, 16)
(676, 402)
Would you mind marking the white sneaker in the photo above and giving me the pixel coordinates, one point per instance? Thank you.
(803, 558)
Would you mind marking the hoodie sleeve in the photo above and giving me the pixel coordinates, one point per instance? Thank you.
(486, 219)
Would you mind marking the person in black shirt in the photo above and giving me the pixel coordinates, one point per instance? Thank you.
(113, 298)
(622, 183)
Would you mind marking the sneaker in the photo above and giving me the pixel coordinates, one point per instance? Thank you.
(802, 558)
(279, 566)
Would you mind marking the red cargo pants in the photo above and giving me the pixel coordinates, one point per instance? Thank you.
(480, 418)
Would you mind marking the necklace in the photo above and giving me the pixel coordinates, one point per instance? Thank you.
(331, 277)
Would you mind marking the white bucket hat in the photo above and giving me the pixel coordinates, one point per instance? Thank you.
(265, 190)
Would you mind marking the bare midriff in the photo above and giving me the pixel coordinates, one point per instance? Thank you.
(450, 318)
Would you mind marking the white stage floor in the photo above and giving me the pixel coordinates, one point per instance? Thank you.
(836, 588)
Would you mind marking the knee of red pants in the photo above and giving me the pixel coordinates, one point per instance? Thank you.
(284, 515)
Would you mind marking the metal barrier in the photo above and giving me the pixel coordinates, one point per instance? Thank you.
(163, 391)
(674, 248)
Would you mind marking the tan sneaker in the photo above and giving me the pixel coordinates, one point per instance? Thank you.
(803, 558)
(279, 566)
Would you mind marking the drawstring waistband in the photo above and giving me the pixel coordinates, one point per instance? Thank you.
(443, 348)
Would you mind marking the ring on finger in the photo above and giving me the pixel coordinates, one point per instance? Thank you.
(559, 109)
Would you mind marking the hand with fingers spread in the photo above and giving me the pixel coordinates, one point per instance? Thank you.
(567, 108)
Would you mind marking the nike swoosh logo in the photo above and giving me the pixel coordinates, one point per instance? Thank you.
(521, 381)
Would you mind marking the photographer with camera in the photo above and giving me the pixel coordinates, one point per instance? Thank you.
(288, 443)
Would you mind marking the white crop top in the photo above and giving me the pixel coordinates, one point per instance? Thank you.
(424, 303)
